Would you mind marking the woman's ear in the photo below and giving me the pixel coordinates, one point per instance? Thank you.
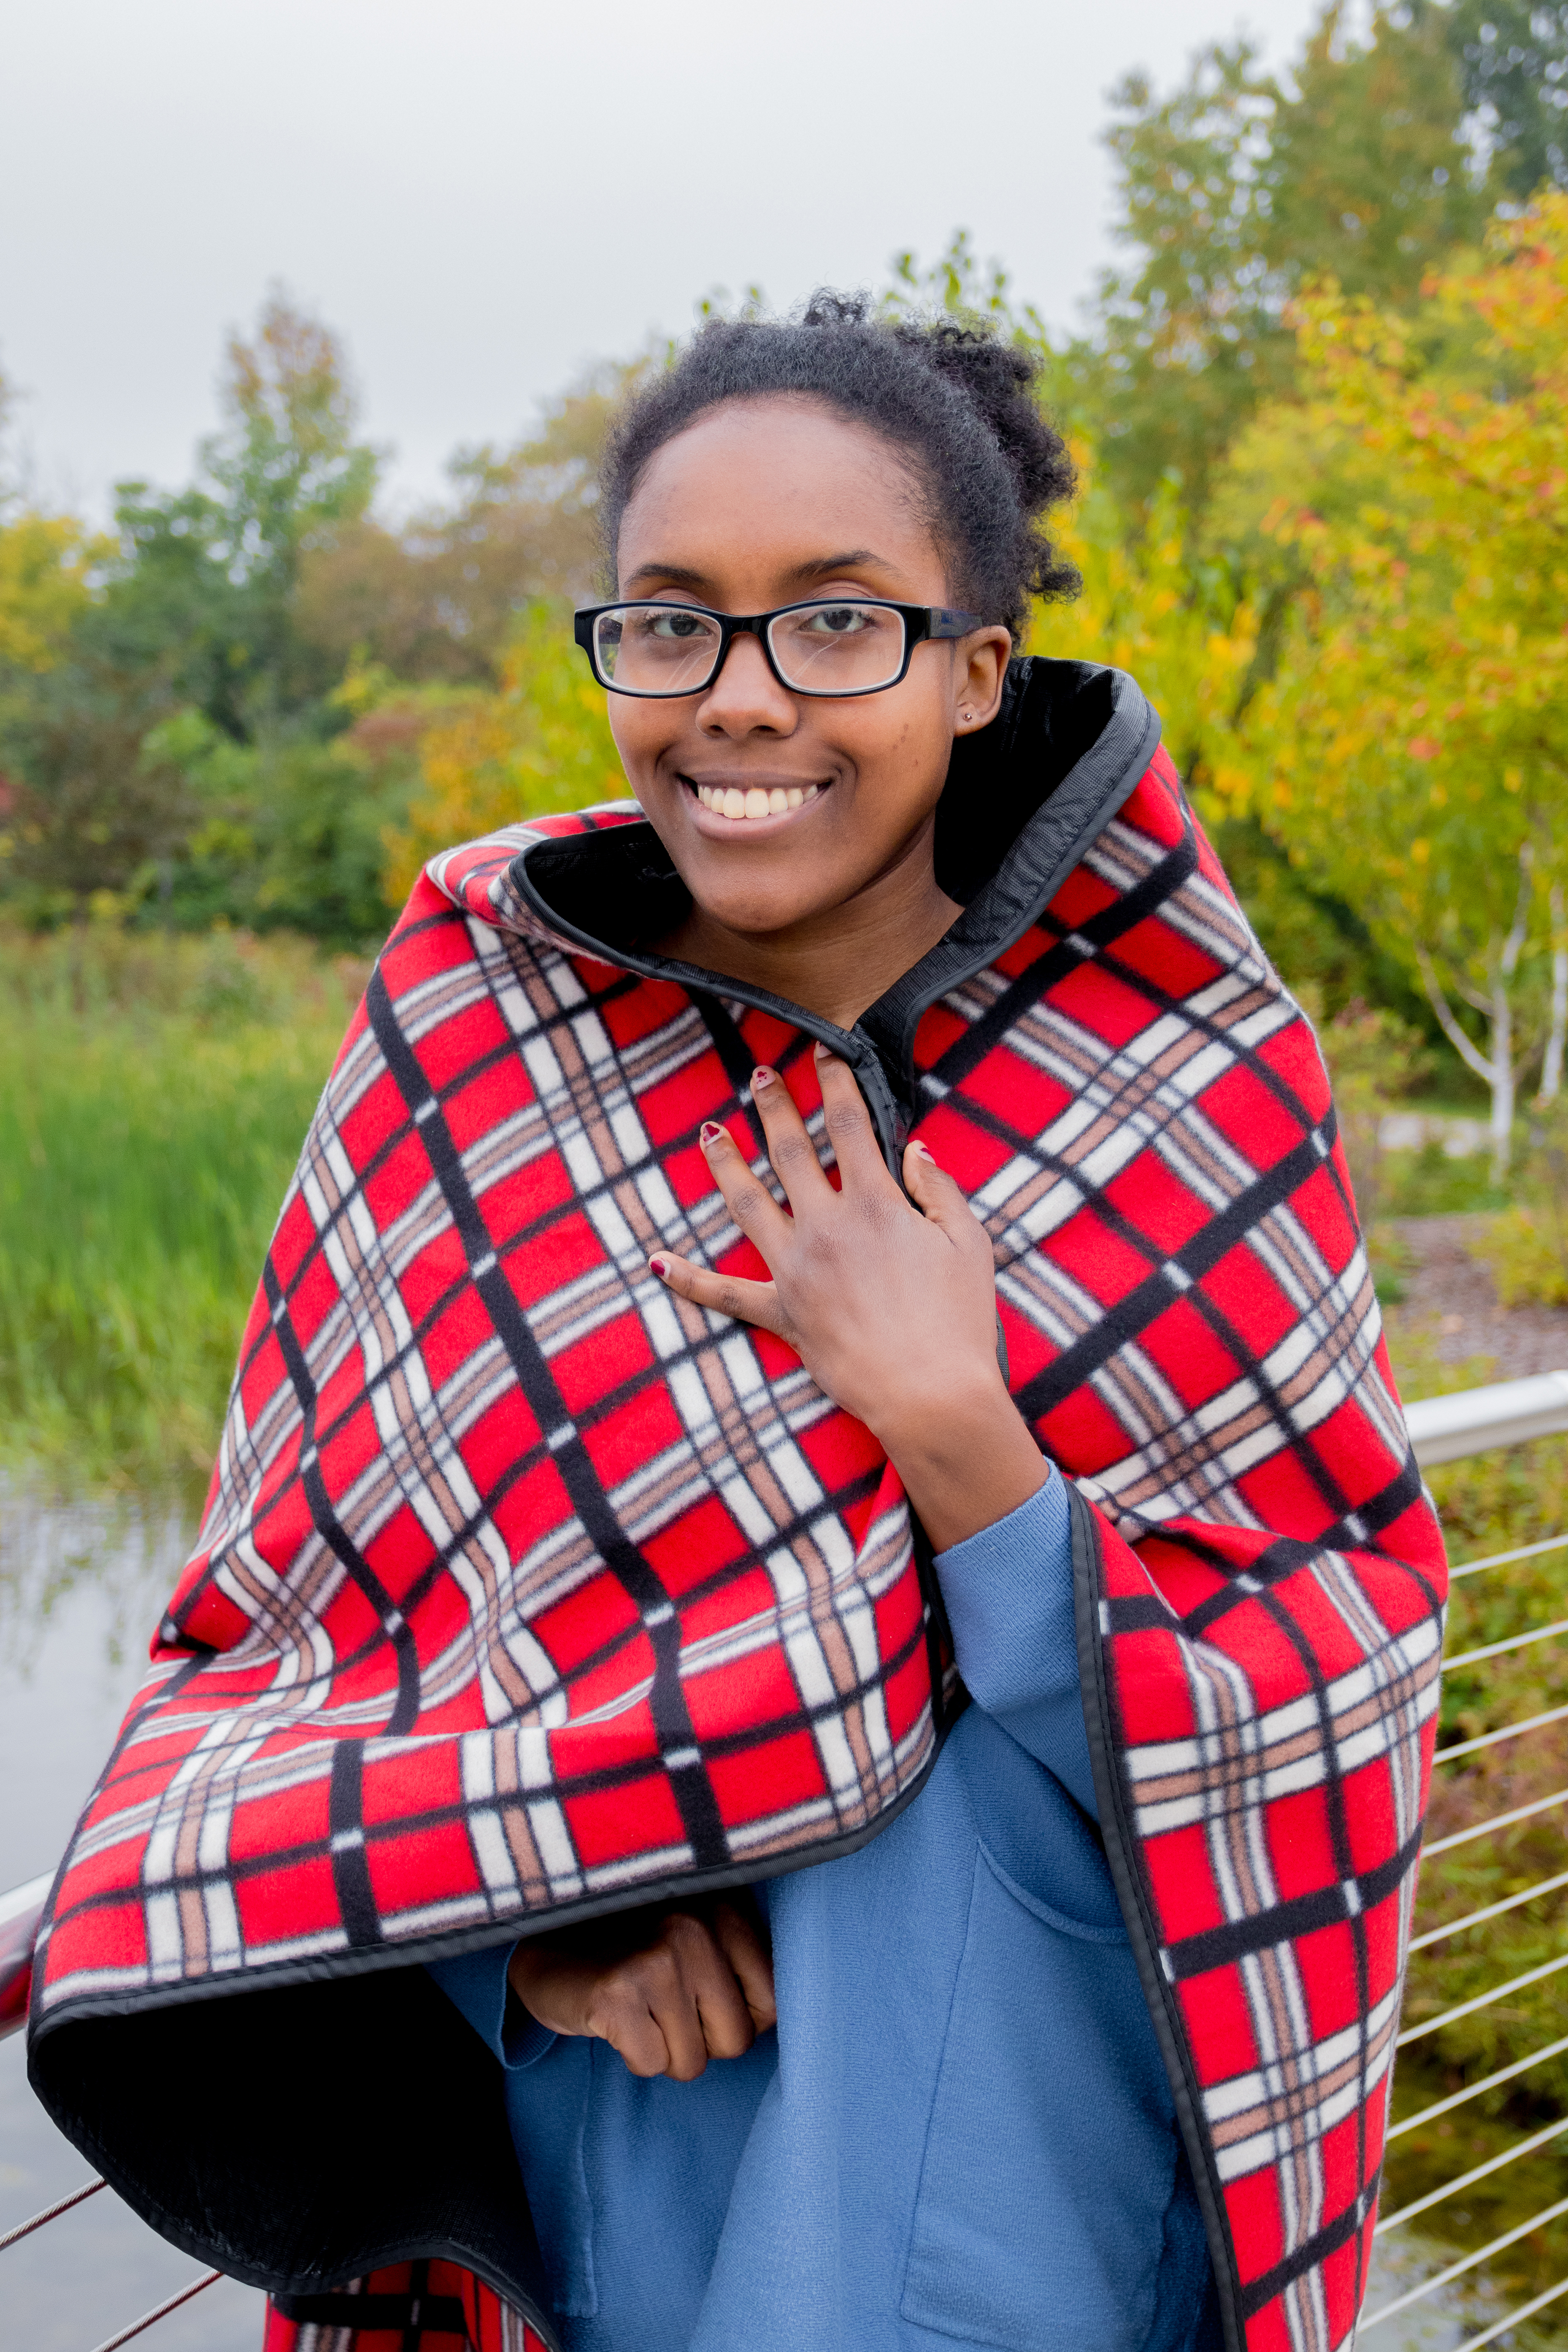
(980, 666)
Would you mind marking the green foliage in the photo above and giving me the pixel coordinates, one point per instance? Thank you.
(541, 742)
(1514, 57)
(1235, 190)
(205, 582)
(1527, 1247)
(92, 801)
(1432, 1183)
(1373, 1060)
(289, 832)
(153, 1095)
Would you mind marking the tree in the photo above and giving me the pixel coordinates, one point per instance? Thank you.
(1514, 57)
(90, 805)
(1413, 745)
(440, 598)
(540, 743)
(208, 575)
(1235, 190)
(46, 565)
(1183, 629)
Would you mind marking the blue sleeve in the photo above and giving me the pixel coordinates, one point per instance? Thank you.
(475, 1983)
(1009, 1600)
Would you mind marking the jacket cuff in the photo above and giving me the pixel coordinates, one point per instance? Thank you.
(475, 1983)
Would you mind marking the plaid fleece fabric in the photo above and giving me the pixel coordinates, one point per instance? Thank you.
(526, 1589)
(430, 2306)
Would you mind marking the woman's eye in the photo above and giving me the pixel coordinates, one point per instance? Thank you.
(679, 626)
(837, 620)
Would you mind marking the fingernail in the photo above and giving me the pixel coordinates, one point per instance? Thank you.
(925, 1154)
(762, 1076)
(823, 1053)
(710, 1134)
(659, 1266)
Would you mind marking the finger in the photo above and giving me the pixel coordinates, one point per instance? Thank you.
(790, 1148)
(848, 1124)
(750, 1958)
(746, 1302)
(932, 1190)
(674, 1973)
(746, 1197)
(638, 2036)
(728, 2028)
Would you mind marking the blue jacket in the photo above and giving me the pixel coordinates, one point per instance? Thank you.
(961, 2130)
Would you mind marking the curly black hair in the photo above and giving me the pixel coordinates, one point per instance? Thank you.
(954, 399)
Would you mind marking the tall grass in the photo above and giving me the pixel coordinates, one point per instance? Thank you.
(153, 1093)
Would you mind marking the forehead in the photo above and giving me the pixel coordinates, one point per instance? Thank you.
(775, 479)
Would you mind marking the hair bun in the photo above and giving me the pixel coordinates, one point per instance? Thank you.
(958, 401)
(1000, 381)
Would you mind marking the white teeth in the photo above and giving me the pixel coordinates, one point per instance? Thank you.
(730, 800)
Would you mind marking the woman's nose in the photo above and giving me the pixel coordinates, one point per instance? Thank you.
(745, 694)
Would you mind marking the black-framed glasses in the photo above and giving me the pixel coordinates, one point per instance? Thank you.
(832, 644)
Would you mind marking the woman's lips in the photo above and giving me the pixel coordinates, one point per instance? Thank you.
(755, 803)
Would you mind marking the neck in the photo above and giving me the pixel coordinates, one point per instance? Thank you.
(837, 962)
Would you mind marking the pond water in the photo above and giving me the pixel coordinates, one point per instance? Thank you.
(80, 1590)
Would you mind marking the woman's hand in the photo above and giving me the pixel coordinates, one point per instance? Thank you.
(667, 1994)
(891, 1308)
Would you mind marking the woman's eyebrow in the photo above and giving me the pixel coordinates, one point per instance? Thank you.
(823, 567)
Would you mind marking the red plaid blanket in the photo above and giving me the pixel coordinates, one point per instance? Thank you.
(525, 1590)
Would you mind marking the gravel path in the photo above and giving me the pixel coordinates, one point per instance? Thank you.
(1452, 1291)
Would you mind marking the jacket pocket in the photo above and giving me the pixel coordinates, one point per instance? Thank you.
(1050, 2153)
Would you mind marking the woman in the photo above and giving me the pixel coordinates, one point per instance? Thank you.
(803, 1711)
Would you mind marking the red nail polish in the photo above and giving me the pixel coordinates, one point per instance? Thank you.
(711, 1131)
(659, 1266)
(761, 1077)
(924, 1153)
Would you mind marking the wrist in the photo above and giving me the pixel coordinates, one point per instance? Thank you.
(966, 1458)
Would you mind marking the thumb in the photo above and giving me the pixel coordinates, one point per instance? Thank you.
(932, 1189)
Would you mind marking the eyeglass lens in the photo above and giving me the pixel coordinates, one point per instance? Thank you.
(829, 649)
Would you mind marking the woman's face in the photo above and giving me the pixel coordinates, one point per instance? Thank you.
(767, 502)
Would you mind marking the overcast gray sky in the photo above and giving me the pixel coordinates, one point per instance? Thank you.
(484, 195)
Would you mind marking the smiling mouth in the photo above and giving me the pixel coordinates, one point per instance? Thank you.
(750, 805)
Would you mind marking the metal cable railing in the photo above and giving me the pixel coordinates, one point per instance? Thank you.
(1444, 1430)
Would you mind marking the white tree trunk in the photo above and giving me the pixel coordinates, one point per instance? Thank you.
(1557, 1031)
(1502, 1075)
